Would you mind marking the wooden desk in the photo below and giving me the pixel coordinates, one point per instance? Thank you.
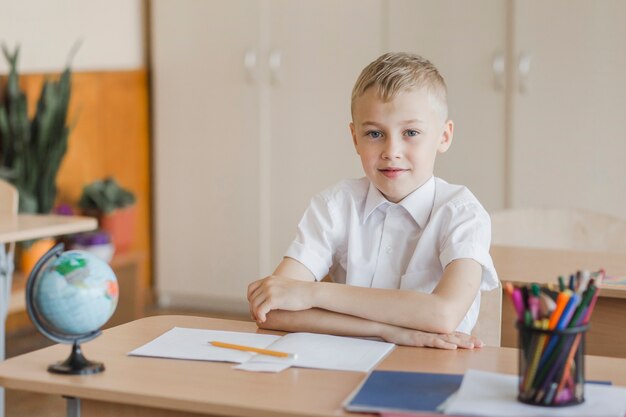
(34, 226)
(520, 265)
(137, 386)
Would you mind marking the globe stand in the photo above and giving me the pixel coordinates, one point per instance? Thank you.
(76, 364)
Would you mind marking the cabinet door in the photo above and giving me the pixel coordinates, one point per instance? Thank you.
(568, 143)
(323, 46)
(464, 40)
(206, 148)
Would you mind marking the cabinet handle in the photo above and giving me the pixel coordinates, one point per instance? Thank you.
(274, 65)
(498, 65)
(523, 72)
(249, 63)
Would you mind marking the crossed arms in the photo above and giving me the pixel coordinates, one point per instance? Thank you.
(290, 300)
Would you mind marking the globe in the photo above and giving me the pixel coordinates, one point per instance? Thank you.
(69, 296)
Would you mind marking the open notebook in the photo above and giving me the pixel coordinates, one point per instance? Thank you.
(312, 350)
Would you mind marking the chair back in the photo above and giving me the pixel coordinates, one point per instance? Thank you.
(488, 328)
(554, 228)
(8, 199)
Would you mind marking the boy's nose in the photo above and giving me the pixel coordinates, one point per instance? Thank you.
(392, 150)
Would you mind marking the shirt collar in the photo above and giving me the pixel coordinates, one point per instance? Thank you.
(418, 204)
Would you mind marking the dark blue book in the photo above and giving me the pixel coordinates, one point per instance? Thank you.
(385, 391)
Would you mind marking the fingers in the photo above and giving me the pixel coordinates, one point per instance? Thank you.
(441, 343)
(473, 339)
(252, 287)
(463, 340)
(477, 342)
(261, 298)
(254, 300)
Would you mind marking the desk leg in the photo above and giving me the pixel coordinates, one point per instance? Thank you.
(6, 276)
(73, 406)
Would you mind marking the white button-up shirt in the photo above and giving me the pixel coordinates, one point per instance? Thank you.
(354, 233)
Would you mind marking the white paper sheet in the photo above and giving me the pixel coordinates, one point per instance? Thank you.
(183, 343)
(312, 350)
(493, 394)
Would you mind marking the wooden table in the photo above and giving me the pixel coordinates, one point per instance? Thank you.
(521, 265)
(24, 227)
(138, 386)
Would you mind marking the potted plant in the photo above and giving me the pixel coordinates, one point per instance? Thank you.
(31, 150)
(114, 207)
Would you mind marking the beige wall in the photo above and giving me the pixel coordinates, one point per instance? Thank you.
(111, 32)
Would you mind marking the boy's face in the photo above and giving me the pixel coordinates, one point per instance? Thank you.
(398, 140)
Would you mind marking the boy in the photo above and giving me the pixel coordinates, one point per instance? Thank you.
(413, 249)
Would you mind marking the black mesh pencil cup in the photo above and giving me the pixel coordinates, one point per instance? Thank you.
(551, 365)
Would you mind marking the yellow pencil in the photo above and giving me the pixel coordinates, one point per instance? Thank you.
(253, 349)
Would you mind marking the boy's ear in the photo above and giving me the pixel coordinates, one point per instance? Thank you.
(446, 137)
(353, 133)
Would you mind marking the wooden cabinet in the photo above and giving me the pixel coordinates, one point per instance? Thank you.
(467, 42)
(251, 109)
(569, 96)
(535, 89)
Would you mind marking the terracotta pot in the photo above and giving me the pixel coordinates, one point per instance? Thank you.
(29, 256)
(120, 224)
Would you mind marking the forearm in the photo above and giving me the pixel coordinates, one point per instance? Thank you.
(439, 312)
(328, 322)
(322, 321)
(401, 308)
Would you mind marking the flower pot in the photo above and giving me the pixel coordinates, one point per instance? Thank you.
(120, 224)
(29, 256)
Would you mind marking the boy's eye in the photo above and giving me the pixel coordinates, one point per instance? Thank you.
(374, 134)
(411, 132)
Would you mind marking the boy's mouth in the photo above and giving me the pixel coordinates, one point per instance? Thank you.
(392, 172)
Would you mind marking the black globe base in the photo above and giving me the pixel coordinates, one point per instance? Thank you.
(76, 364)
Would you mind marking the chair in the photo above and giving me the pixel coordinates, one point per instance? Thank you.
(8, 199)
(554, 228)
(8, 209)
(488, 328)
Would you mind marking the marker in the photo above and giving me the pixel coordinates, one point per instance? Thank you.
(585, 276)
(533, 301)
(561, 303)
(518, 303)
(563, 320)
(546, 304)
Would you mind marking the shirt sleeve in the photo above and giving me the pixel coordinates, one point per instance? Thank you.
(315, 242)
(468, 235)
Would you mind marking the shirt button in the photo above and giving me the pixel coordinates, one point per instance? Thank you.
(388, 249)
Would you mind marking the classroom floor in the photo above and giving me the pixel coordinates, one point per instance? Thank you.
(24, 404)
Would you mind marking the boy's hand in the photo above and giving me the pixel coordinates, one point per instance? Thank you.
(278, 293)
(409, 337)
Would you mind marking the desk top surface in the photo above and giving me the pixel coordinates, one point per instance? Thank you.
(215, 388)
(527, 265)
(34, 226)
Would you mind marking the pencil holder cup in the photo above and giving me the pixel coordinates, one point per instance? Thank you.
(551, 366)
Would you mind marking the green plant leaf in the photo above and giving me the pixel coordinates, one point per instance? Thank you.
(32, 151)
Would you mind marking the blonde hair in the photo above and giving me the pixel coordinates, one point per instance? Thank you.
(396, 72)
